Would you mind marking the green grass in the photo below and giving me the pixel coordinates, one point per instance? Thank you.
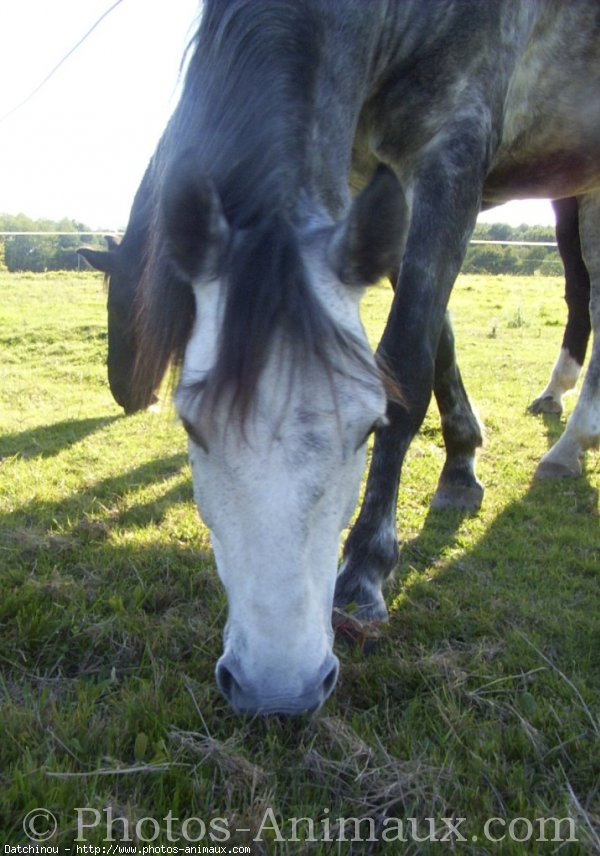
(480, 701)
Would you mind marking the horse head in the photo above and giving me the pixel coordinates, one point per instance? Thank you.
(279, 392)
(121, 269)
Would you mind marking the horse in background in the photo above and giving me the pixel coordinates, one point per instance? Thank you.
(122, 264)
(577, 296)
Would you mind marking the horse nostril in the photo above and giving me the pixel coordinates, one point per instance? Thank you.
(272, 698)
(226, 681)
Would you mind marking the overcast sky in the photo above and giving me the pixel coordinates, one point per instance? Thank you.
(79, 147)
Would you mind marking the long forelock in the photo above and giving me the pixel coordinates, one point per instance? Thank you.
(245, 111)
(270, 300)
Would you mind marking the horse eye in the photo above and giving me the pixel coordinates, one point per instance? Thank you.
(194, 435)
(381, 422)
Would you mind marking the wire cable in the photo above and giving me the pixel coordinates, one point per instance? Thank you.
(51, 74)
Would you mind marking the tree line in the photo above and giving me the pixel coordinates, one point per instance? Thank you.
(59, 252)
(39, 253)
(508, 259)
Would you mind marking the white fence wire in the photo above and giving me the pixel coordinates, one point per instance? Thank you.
(548, 261)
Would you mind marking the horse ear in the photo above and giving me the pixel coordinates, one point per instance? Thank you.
(102, 260)
(368, 244)
(194, 220)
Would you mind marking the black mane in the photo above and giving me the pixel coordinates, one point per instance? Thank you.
(275, 298)
(245, 114)
(248, 100)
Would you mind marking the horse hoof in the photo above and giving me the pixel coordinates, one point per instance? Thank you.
(365, 606)
(545, 404)
(365, 634)
(467, 498)
(549, 470)
(364, 613)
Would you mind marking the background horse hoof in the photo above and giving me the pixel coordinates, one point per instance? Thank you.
(466, 497)
(350, 629)
(545, 404)
(549, 470)
(364, 604)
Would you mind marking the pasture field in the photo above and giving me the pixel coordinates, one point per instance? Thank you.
(480, 700)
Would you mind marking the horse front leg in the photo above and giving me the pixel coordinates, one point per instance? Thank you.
(446, 203)
(583, 429)
(371, 551)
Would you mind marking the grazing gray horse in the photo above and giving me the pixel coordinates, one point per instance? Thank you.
(256, 260)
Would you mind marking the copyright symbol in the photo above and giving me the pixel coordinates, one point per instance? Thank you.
(39, 824)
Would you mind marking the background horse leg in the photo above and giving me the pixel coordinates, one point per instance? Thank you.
(583, 429)
(458, 486)
(577, 295)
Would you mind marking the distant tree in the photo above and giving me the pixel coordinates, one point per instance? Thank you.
(39, 253)
(500, 232)
(485, 259)
(513, 259)
(535, 233)
(534, 258)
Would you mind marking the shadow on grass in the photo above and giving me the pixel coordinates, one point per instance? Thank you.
(442, 529)
(49, 440)
(552, 518)
(105, 494)
(80, 568)
(554, 426)
(535, 570)
(439, 534)
(492, 649)
(518, 609)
